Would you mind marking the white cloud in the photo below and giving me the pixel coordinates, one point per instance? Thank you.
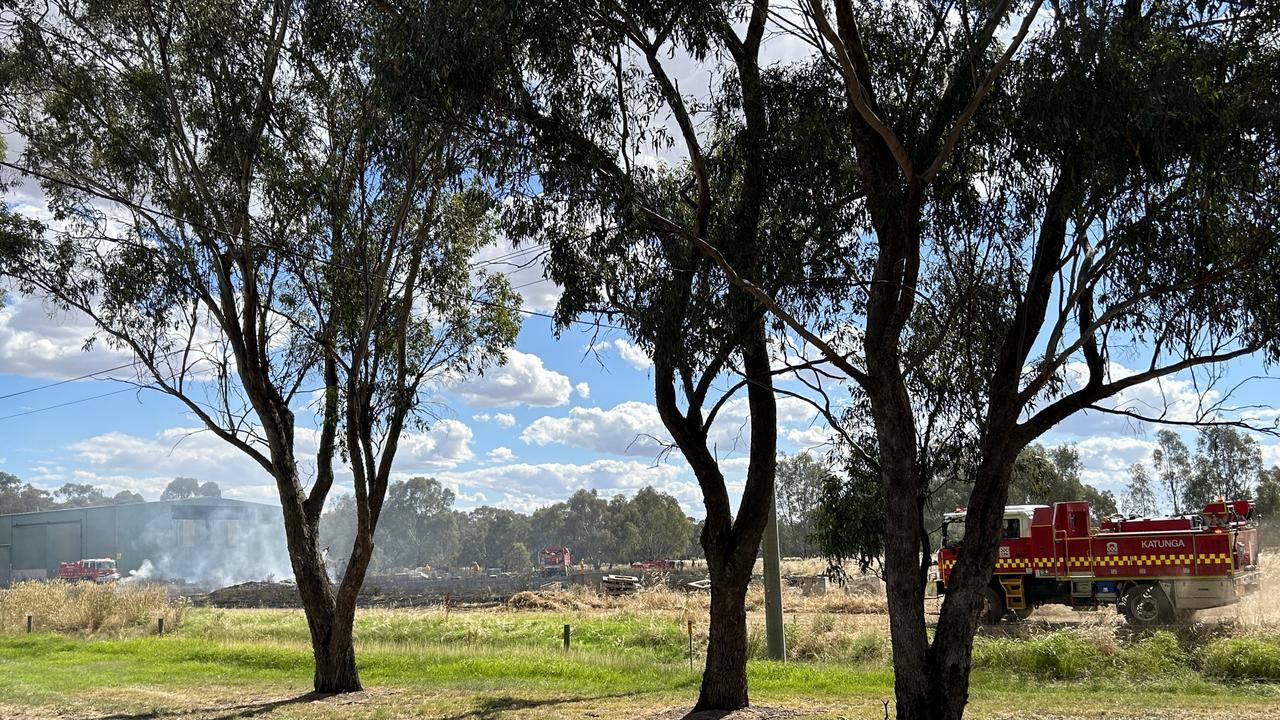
(503, 419)
(501, 454)
(524, 486)
(523, 380)
(145, 465)
(525, 268)
(1106, 459)
(121, 461)
(1172, 398)
(446, 444)
(629, 428)
(635, 428)
(583, 390)
(633, 355)
(1270, 453)
(817, 437)
(37, 341)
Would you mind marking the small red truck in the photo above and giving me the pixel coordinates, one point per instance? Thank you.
(97, 569)
(554, 560)
(1154, 570)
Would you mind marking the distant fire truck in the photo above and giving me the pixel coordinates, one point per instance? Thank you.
(554, 560)
(98, 570)
(1155, 570)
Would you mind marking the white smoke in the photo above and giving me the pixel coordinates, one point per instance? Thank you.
(227, 547)
(144, 572)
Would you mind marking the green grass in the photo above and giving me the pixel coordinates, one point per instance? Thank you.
(488, 665)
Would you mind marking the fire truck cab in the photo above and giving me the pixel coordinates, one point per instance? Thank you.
(101, 570)
(1154, 570)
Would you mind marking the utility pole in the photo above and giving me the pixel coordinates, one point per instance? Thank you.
(773, 623)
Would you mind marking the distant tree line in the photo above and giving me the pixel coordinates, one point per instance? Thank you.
(1227, 463)
(420, 526)
(17, 496)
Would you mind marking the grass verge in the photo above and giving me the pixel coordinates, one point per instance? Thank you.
(490, 665)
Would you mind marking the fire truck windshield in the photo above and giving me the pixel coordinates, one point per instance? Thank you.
(952, 531)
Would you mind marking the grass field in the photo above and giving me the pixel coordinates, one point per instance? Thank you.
(628, 661)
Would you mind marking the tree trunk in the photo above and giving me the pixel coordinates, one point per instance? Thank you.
(951, 655)
(335, 657)
(903, 586)
(724, 679)
(329, 623)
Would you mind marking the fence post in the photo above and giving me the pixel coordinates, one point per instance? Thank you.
(567, 631)
(690, 644)
(160, 625)
(29, 623)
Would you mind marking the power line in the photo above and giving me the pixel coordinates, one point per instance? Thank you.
(177, 218)
(86, 376)
(65, 404)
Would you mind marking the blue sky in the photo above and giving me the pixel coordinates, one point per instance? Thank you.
(558, 417)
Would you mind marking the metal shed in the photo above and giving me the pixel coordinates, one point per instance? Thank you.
(200, 540)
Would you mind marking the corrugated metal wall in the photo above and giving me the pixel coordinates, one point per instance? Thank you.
(32, 544)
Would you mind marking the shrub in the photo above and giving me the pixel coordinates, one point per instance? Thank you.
(1158, 655)
(1062, 655)
(1242, 658)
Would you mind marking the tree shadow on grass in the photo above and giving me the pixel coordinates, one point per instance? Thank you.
(226, 712)
(491, 708)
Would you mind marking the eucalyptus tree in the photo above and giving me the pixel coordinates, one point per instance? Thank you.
(1226, 463)
(1171, 461)
(237, 201)
(622, 200)
(1095, 181)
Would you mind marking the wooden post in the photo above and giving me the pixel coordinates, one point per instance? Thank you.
(690, 644)
(567, 631)
(160, 625)
(775, 636)
(29, 623)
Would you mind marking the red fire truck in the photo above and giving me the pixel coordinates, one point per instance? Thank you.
(1154, 570)
(554, 560)
(96, 569)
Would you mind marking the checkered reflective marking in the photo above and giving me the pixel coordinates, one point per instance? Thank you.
(1106, 561)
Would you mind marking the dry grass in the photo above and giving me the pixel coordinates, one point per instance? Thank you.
(860, 597)
(88, 608)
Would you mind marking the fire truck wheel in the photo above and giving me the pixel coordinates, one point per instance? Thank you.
(1147, 605)
(992, 606)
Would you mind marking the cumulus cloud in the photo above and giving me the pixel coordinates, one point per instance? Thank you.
(121, 461)
(525, 268)
(503, 419)
(583, 390)
(37, 341)
(1172, 398)
(524, 486)
(523, 380)
(501, 454)
(147, 464)
(630, 428)
(817, 437)
(1270, 453)
(446, 444)
(633, 355)
(635, 428)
